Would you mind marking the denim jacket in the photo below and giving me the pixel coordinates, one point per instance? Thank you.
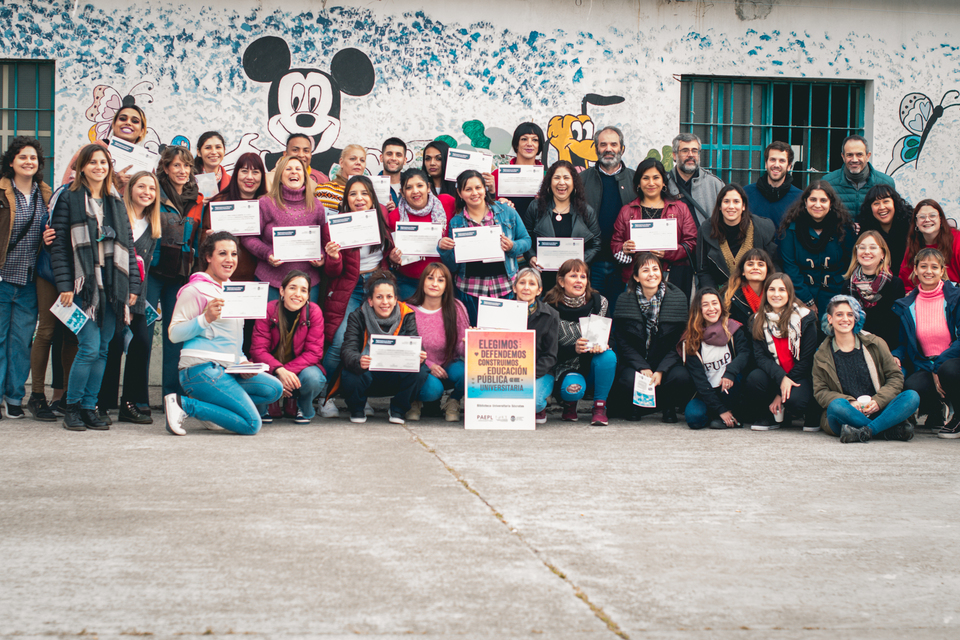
(511, 226)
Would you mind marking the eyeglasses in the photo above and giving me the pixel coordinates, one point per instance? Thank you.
(868, 247)
(688, 152)
(932, 216)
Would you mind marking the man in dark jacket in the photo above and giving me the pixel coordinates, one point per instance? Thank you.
(774, 192)
(857, 176)
(608, 186)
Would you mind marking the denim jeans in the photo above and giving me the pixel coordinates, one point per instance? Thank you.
(543, 390)
(404, 387)
(841, 412)
(18, 318)
(331, 352)
(312, 382)
(87, 371)
(606, 278)
(225, 399)
(698, 415)
(433, 387)
(603, 367)
(164, 293)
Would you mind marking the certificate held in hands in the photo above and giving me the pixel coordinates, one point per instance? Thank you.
(126, 154)
(395, 353)
(477, 244)
(418, 238)
(459, 160)
(297, 244)
(240, 217)
(245, 300)
(356, 229)
(553, 252)
(381, 186)
(498, 313)
(654, 235)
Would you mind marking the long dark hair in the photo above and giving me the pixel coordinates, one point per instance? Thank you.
(901, 210)
(206, 135)
(282, 328)
(760, 318)
(345, 207)
(462, 182)
(915, 241)
(716, 219)
(837, 216)
(736, 278)
(17, 145)
(448, 308)
(445, 187)
(232, 191)
(555, 295)
(644, 166)
(578, 201)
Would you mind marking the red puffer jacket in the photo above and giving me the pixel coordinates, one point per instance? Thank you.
(686, 232)
(307, 340)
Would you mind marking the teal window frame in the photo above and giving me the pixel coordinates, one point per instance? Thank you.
(27, 103)
(737, 117)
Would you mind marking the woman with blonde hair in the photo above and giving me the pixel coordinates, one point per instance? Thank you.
(871, 282)
(353, 162)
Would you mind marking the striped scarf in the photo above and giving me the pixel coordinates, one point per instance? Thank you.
(650, 310)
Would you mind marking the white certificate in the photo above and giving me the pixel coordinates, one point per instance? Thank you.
(357, 229)
(239, 217)
(518, 181)
(381, 186)
(459, 160)
(126, 154)
(207, 182)
(654, 235)
(395, 353)
(418, 238)
(245, 300)
(596, 329)
(477, 244)
(553, 252)
(296, 244)
(499, 313)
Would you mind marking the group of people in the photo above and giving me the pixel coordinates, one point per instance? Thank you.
(835, 305)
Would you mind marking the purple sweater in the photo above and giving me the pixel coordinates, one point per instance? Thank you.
(294, 215)
(430, 328)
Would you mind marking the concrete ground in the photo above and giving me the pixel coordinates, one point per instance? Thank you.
(333, 530)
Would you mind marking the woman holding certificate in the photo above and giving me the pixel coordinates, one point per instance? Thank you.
(528, 141)
(655, 205)
(298, 244)
(210, 151)
(419, 205)
(211, 345)
(129, 124)
(731, 232)
(466, 250)
(381, 314)
(561, 211)
(95, 267)
(545, 321)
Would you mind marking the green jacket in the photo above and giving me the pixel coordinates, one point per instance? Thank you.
(884, 372)
(852, 198)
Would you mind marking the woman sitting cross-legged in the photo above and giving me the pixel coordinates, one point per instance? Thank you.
(380, 314)
(580, 365)
(715, 351)
(290, 341)
(858, 381)
(210, 345)
(543, 319)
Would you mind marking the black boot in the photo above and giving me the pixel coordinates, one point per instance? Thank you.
(129, 412)
(71, 418)
(92, 420)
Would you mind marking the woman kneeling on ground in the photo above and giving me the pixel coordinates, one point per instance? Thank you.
(380, 314)
(858, 381)
(210, 345)
(290, 341)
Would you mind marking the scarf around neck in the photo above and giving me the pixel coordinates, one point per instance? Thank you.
(728, 256)
(774, 194)
(867, 288)
(771, 330)
(752, 297)
(574, 303)
(381, 326)
(434, 209)
(180, 201)
(650, 310)
(828, 228)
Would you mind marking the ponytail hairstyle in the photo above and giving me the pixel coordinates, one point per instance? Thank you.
(462, 183)
(378, 278)
(783, 322)
(697, 323)
(448, 307)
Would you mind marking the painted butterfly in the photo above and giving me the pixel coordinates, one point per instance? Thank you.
(918, 115)
(107, 101)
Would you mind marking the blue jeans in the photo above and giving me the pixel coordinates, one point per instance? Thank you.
(225, 399)
(165, 292)
(331, 354)
(606, 278)
(406, 286)
(841, 412)
(603, 367)
(543, 390)
(433, 387)
(274, 294)
(18, 319)
(312, 382)
(87, 371)
(698, 415)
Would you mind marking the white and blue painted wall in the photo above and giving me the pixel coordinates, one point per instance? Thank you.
(471, 72)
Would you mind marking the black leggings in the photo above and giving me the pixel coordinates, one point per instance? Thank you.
(922, 383)
(136, 373)
(759, 390)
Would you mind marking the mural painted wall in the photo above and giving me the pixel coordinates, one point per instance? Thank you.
(469, 73)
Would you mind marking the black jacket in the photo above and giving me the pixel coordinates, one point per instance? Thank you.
(539, 224)
(803, 366)
(355, 336)
(881, 320)
(546, 322)
(712, 269)
(739, 345)
(629, 335)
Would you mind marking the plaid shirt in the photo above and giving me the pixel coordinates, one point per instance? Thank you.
(22, 258)
(492, 286)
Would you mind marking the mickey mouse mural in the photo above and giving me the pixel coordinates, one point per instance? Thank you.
(306, 101)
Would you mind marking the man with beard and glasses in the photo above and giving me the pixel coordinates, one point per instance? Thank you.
(774, 192)
(856, 177)
(608, 186)
(690, 182)
(393, 154)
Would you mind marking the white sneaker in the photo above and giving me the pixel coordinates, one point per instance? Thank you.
(367, 409)
(765, 427)
(358, 419)
(329, 409)
(812, 429)
(175, 415)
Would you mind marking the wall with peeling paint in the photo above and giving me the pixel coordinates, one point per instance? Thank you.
(473, 71)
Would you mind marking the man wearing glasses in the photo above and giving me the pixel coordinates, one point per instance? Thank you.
(690, 182)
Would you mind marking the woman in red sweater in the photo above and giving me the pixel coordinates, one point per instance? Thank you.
(930, 230)
(418, 204)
